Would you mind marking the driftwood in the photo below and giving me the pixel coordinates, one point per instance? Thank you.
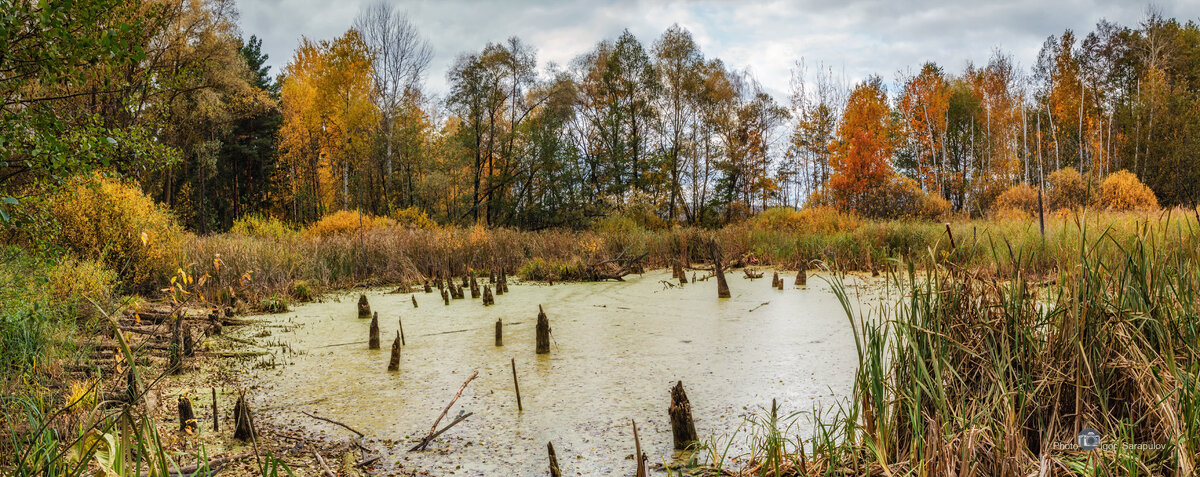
(433, 429)
(616, 268)
(331, 421)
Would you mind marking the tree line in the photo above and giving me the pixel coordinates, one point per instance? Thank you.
(169, 93)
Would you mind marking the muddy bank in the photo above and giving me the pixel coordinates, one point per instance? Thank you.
(616, 349)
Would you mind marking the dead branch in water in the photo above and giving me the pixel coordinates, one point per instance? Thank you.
(616, 268)
(433, 429)
(331, 421)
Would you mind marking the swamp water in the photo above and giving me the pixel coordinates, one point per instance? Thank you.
(616, 350)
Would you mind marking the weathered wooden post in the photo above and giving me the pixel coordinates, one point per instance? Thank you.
(216, 417)
(683, 429)
(374, 339)
(778, 282)
(499, 333)
(445, 296)
(243, 428)
(488, 299)
(775, 280)
(554, 470)
(364, 308)
(394, 363)
(187, 419)
(414, 300)
(543, 332)
(516, 386)
(802, 276)
(428, 289)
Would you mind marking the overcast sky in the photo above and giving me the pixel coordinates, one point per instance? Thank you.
(854, 37)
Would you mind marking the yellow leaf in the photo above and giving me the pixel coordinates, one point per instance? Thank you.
(145, 238)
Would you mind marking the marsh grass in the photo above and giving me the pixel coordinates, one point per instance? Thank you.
(981, 371)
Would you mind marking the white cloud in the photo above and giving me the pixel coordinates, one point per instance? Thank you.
(859, 37)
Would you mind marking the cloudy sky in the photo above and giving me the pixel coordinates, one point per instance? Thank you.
(854, 37)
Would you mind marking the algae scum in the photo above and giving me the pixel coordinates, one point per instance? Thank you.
(616, 350)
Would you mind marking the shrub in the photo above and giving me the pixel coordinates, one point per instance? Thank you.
(72, 282)
(816, 219)
(899, 198)
(255, 225)
(115, 224)
(345, 222)
(1021, 197)
(1122, 190)
(413, 218)
(1065, 189)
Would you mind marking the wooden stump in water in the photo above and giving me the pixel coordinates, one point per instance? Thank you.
(802, 277)
(374, 340)
(243, 428)
(445, 296)
(394, 363)
(216, 417)
(499, 333)
(543, 332)
(502, 285)
(474, 290)
(779, 283)
(364, 308)
(488, 299)
(775, 280)
(187, 419)
(414, 300)
(683, 429)
(188, 342)
(722, 285)
(428, 289)
(492, 276)
(554, 470)
(466, 282)
(441, 286)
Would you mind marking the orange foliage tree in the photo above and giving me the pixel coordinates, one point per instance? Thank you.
(860, 155)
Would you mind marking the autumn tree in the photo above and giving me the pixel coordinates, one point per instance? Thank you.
(860, 157)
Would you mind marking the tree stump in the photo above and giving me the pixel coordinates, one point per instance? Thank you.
(474, 290)
(802, 277)
(554, 470)
(445, 296)
(779, 283)
(428, 289)
(502, 285)
(364, 308)
(543, 332)
(216, 417)
(682, 275)
(683, 429)
(394, 363)
(243, 428)
(414, 300)
(722, 285)
(187, 419)
(441, 286)
(189, 349)
(499, 333)
(775, 280)
(374, 340)
(488, 299)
